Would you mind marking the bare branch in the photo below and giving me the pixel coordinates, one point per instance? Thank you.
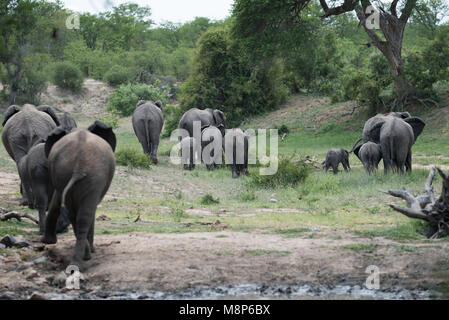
(417, 214)
(346, 6)
(408, 9)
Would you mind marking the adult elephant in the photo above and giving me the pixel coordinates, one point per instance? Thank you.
(81, 166)
(147, 123)
(23, 127)
(207, 117)
(396, 133)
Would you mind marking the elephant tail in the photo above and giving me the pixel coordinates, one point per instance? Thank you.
(356, 144)
(147, 135)
(74, 179)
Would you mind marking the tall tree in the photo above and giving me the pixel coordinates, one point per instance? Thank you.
(255, 17)
(17, 22)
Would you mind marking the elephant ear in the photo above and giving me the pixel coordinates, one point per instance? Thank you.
(374, 133)
(417, 125)
(12, 110)
(405, 115)
(357, 150)
(141, 102)
(104, 131)
(54, 137)
(159, 104)
(48, 110)
(219, 117)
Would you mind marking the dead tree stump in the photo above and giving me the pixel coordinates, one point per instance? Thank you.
(426, 206)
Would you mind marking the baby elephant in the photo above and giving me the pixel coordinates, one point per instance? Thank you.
(334, 157)
(188, 150)
(370, 155)
(236, 147)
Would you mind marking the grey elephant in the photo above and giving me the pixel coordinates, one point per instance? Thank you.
(207, 117)
(212, 146)
(396, 133)
(188, 152)
(81, 166)
(33, 170)
(236, 147)
(67, 121)
(334, 157)
(147, 123)
(22, 128)
(370, 155)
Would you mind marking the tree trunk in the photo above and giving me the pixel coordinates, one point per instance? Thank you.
(392, 29)
(426, 206)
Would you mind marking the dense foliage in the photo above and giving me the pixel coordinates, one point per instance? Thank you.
(245, 65)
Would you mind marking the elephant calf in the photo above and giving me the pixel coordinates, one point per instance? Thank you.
(147, 124)
(334, 157)
(33, 171)
(81, 166)
(370, 155)
(188, 151)
(236, 145)
(211, 146)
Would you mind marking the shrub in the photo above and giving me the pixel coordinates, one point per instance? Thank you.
(111, 119)
(208, 200)
(172, 116)
(290, 173)
(67, 76)
(247, 196)
(125, 98)
(117, 75)
(132, 158)
(31, 86)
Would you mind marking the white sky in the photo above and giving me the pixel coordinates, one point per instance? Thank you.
(162, 10)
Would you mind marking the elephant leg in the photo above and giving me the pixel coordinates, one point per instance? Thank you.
(408, 162)
(335, 168)
(154, 147)
(345, 166)
(90, 235)
(83, 223)
(52, 218)
(41, 201)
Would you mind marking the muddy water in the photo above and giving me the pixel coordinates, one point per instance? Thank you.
(264, 292)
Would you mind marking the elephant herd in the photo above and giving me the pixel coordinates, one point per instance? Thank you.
(389, 137)
(63, 169)
(199, 130)
(67, 171)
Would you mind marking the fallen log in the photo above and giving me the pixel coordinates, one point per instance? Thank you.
(426, 206)
(7, 215)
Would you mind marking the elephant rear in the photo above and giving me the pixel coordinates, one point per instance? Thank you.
(81, 166)
(148, 121)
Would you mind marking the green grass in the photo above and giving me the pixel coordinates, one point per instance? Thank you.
(359, 247)
(292, 233)
(261, 252)
(208, 200)
(133, 158)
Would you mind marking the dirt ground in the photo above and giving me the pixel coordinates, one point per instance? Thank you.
(161, 262)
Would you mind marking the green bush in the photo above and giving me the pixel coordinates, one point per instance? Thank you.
(125, 98)
(172, 116)
(290, 173)
(117, 75)
(31, 86)
(68, 76)
(111, 119)
(224, 77)
(132, 158)
(208, 199)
